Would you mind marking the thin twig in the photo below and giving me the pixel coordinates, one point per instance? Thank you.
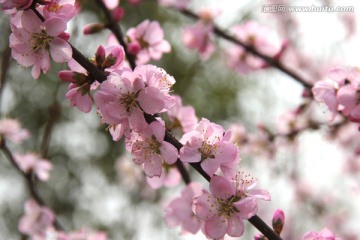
(28, 177)
(116, 30)
(269, 60)
(54, 112)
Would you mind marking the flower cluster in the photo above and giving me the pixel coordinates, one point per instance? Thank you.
(340, 92)
(218, 212)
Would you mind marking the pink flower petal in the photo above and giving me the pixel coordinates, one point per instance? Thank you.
(216, 228)
(220, 187)
(60, 50)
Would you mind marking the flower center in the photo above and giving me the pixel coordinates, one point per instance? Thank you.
(153, 145)
(129, 100)
(53, 7)
(40, 40)
(207, 150)
(143, 43)
(226, 207)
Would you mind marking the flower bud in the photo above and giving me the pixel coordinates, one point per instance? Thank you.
(278, 221)
(118, 14)
(100, 55)
(134, 48)
(93, 28)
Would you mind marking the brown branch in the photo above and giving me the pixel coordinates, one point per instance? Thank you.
(269, 60)
(116, 30)
(54, 112)
(28, 177)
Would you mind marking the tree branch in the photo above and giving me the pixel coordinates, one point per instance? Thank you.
(28, 177)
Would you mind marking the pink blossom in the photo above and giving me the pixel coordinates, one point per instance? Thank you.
(182, 4)
(208, 144)
(64, 9)
(36, 220)
(198, 37)
(158, 83)
(32, 42)
(31, 162)
(150, 36)
(149, 148)
(18, 4)
(349, 98)
(182, 116)
(324, 234)
(257, 36)
(227, 204)
(11, 129)
(178, 211)
(170, 177)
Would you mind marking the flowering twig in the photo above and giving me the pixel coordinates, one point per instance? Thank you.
(115, 28)
(100, 76)
(28, 178)
(269, 60)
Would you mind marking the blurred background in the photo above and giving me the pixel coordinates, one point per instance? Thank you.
(91, 186)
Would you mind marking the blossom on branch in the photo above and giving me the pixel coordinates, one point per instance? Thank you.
(210, 145)
(146, 41)
(32, 40)
(228, 203)
(10, 129)
(31, 162)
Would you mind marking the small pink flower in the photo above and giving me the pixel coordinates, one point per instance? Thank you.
(32, 42)
(149, 148)
(150, 36)
(32, 162)
(227, 204)
(208, 144)
(178, 211)
(11, 129)
(64, 9)
(36, 220)
(199, 37)
(325, 234)
(182, 116)
(257, 36)
(170, 177)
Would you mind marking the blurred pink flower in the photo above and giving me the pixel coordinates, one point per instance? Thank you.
(178, 211)
(10, 129)
(36, 220)
(324, 234)
(32, 162)
(150, 37)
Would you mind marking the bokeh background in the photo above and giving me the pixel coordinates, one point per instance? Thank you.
(89, 188)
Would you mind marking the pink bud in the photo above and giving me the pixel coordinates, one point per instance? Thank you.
(93, 28)
(278, 221)
(118, 14)
(66, 75)
(134, 48)
(258, 237)
(100, 55)
(65, 36)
